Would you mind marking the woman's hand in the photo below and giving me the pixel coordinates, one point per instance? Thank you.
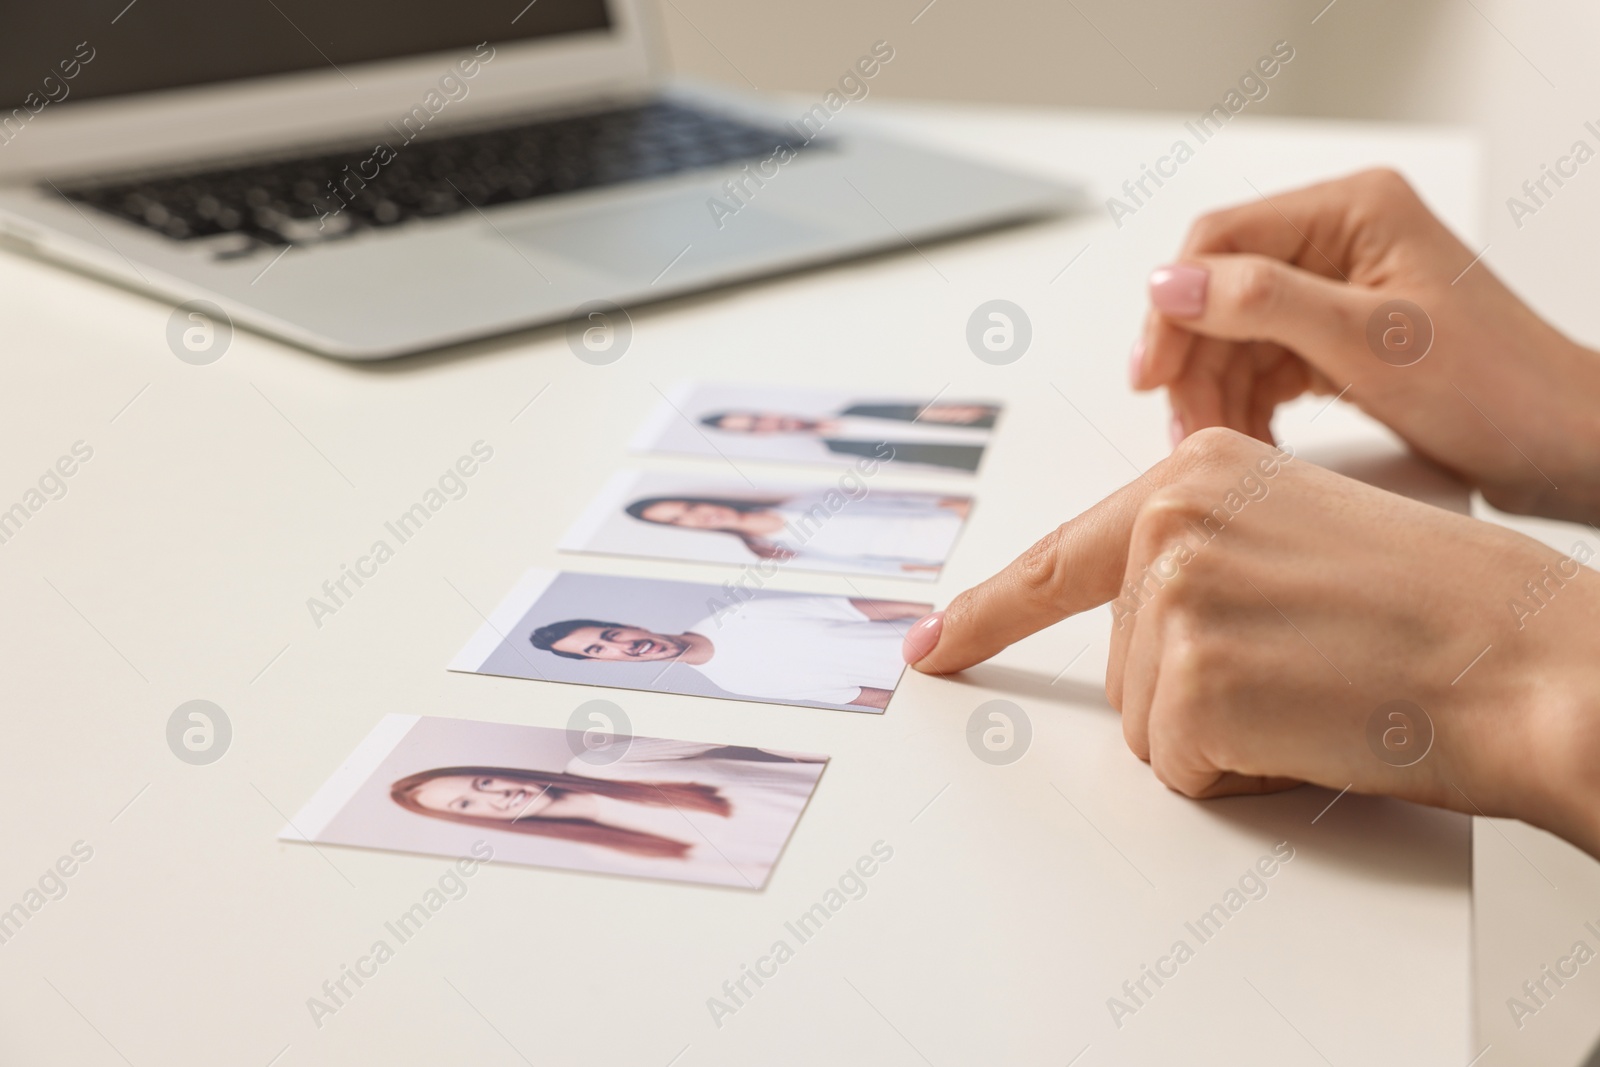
(1280, 297)
(1266, 610)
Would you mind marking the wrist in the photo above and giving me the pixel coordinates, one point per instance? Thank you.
(1577, 473)
(1557, 472)
(1567, 800)
(1563, 786)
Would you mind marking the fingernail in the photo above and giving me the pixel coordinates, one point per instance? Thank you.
(1179, 289)
(1175, 430)
(1136, 363)
(922, 637)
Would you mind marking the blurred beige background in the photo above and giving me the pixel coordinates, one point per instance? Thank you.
(1518, 73)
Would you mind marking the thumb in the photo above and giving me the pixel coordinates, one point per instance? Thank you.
(1260, 298)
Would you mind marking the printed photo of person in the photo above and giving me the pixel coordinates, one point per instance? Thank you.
(800, 425)
(842, 527)
(738, 642)
(646, 807)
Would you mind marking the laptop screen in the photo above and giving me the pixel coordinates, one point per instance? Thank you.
(78, 51)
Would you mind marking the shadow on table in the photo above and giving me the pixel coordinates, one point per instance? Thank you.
(1019, 684)
(1378, 837)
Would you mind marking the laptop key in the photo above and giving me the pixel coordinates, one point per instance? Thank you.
(313, 198)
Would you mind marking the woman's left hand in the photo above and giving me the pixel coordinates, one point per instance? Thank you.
(1266, 613)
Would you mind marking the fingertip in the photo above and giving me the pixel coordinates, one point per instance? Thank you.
(932, 648)
(1166, 352)
(922, 638)
(1179, 289)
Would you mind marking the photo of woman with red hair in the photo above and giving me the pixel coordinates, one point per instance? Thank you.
(610, 803)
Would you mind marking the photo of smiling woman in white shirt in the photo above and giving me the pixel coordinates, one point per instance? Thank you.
(844, 526)
(880, 533)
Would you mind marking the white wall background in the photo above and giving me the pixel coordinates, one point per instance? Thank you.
(1522, 73)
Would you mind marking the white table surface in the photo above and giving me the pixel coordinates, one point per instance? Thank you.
(1019, 898)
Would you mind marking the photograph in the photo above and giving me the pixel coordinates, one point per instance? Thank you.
(642, 807)
(792, 424)
(842, 527)
(811, 650)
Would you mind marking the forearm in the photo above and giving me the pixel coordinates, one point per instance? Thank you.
(1551, 468)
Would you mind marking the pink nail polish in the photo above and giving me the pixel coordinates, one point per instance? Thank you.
(1136, 363)
(922, 637)
(1179, 289)
(1175, 430)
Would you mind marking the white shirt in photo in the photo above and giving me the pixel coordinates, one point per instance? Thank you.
(899, 431)
(815, 648)
(875, 533)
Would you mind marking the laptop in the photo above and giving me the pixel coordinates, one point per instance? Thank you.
(371, 179)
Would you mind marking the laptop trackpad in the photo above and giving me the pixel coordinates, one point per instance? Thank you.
(639, 241)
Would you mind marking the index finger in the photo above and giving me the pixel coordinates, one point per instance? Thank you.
(1339, 230)
(1313, 228)
(1077, 566)
(1324, 228)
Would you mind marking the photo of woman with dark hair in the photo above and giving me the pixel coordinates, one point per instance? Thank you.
(849, 527)
(641, 807)
(830, 427)
(722, 808)
(752, 522)
(560, 805)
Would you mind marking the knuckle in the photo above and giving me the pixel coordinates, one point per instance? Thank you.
(1190, 659)
(1166, 515)
(1216, 446)
(1040, 567)
(1208, 230)
(1191, 665)
(1256, 287)
(1162, 551)
(1386, 185)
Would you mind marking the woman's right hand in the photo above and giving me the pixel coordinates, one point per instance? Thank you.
(1258, 640)
(1284, 296)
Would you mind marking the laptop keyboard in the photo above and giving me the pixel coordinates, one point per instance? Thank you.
(313, 198)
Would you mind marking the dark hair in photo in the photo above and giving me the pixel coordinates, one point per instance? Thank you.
(759, 547)
(546, 636)
(743, 507)
(684, 796)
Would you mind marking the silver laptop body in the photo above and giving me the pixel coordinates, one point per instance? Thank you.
(103, 123)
